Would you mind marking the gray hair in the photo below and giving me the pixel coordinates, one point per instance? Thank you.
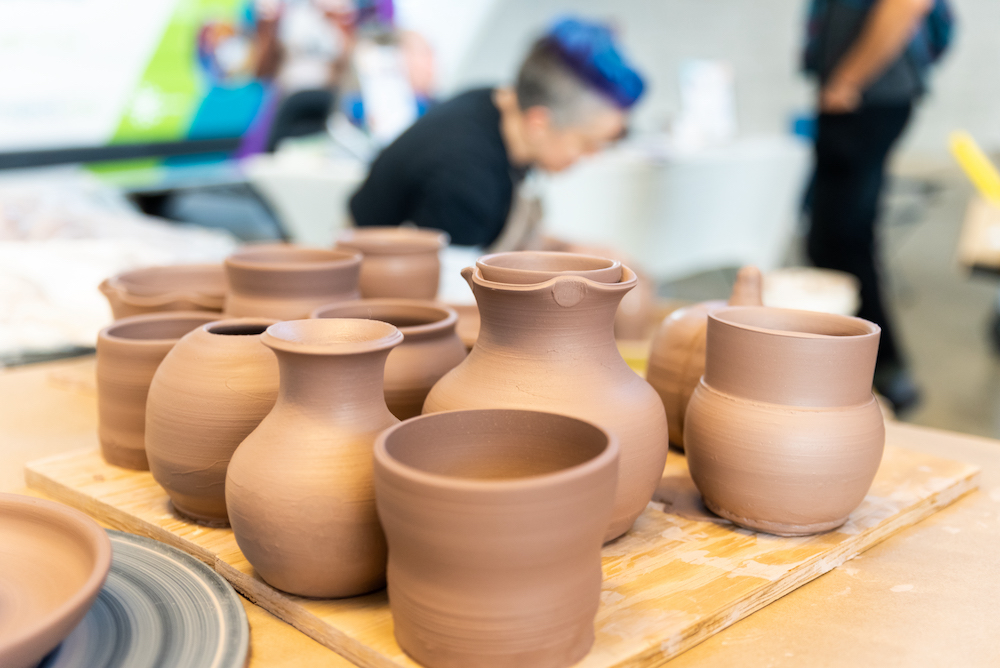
(545, 80)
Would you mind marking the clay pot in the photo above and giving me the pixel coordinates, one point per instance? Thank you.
(495, 520)
(430, 349)
(287, 282)
(782, 433)
(550, 346)
(128, 354)
(528, 267)
(398, 261)
(299, 488)
(677, 356)
(182, 287)
(53, 563)
(209, 393)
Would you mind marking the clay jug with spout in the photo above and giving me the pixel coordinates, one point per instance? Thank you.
(547, 343)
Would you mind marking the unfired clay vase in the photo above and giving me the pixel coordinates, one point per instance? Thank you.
(53, 563)
(128, 354)
(208, 394)
(398, 261)
(430, 349)
(550, 346)
(299, 488)
(782, 433)
(183, 287)
(286, 282)
(495, 520)
(677, 356)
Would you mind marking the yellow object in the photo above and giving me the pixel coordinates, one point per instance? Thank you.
(977, 165)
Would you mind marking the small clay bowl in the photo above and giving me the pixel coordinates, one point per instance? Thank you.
(531, 267)
(287, 282)
(182, 287)
(398, 261)
(430, 349)
(53, 563)
(128, 353)
(494, 521)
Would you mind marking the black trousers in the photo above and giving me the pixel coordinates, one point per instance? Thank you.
(851, 152)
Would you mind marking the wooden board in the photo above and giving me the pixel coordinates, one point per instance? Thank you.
(678, 577)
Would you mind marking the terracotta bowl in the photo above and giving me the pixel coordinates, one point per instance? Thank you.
(287, 282)
(398, 261)
(430, 349)
(530, 267)
(182, 287)
(494, 521)
(53, 563)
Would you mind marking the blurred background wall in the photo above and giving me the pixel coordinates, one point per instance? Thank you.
(760, 38)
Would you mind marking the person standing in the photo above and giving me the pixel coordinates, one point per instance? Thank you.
(871, 58)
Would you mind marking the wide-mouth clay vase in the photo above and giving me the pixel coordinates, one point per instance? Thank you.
(528, 267)
(398, 261)
(783, 434)
(182, 287)
(495, 520)
(128, 354)
(287, 282)
(430, 349)
(677, 355)
(53, 563)
(299, 488)
(550, 346)
(210, 391)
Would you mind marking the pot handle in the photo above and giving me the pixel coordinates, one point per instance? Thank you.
(568, 291)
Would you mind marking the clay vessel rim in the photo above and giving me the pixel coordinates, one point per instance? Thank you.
(119, 283)
(87, 529)
(108, 332)
(747, 401)
(336, 259)
(538, 275)
(369, 336)
(448, 316)
(394, 240)
(627, 282)
(525, 483)
(730, 316)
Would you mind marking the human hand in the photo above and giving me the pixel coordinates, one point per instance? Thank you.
(839, 97)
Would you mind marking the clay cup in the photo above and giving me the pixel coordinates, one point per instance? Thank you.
(494, 520)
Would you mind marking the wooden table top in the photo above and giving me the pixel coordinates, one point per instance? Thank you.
(927, 596)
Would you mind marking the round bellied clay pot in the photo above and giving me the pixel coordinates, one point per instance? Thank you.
(550, 346)
(430, 349)
(495, 520)
(182, 287)
(299, 488)
(53, 562)
(287, 282)
(128, 354)
(210, 391)
(677, 356)
(783, 434)
(398, 261)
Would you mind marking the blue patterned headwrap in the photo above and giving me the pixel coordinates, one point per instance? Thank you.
(589, 50)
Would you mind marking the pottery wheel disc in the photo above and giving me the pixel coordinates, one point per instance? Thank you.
(159, 608)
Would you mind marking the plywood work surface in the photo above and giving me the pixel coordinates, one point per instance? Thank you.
(680, 576)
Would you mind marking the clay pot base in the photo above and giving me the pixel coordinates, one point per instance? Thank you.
(775, 528)
(201, 520)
